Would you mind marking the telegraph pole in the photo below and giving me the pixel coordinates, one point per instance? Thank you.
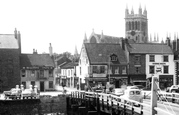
(154, 95)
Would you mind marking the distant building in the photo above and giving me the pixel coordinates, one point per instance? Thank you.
(69, 71)
(10, 50)
(38, 69)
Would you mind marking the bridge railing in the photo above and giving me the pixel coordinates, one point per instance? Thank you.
(170, 97)
(110, 101)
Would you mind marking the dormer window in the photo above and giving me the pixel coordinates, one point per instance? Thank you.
(113, 57)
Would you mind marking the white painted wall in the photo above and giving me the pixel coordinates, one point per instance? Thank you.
(159, 59)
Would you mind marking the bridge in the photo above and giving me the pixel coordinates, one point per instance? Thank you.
(87, 103)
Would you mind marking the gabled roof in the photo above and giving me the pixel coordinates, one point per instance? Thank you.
(99, 53)
(63, 60)
(150, 48)
(69, 65)
(8, 41)
(29, 60)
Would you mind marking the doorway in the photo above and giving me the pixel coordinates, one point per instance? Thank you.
(42, 86)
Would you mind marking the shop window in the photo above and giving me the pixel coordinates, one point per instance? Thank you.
(151, 58)
(165, 58)
(165, 69)
(23, 72)
(102, 69)
(50, 84)
(151, 69)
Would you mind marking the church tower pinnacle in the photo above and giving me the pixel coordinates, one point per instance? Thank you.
(137, 26)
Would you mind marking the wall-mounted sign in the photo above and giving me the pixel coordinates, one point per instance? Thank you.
(159, 63)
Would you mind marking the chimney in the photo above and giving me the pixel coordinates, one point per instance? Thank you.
(15, 33)
(168, 41)
(50, 50)
(34, 51)
(19, 40)
(123, 44)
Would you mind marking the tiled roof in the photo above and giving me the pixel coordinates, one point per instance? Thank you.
(8, 41)
(61, 61)
(150, 48)
(69, 65)
(99, 53)
(29, 60)
(109, 39)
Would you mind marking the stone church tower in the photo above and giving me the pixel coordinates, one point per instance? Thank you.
(136, 25)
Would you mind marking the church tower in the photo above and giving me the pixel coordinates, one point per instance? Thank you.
(136, 25)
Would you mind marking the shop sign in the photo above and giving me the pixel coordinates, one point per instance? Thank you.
(159, 63)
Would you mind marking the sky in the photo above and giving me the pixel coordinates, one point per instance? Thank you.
(63, 23)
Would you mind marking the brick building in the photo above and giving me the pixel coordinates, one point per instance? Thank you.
(10, 50)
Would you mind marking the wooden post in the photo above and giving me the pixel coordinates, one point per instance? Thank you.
(154, 95)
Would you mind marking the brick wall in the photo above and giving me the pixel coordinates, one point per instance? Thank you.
(9, 68)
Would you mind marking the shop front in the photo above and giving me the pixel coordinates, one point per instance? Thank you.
(118, 81)
(165, 81)
(138, 80)
(95, 81)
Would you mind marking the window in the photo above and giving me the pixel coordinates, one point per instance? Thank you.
(102, 69)
(80, 70)
(50, 84)
(116, 70)
(151, 69)
(23, 72)
(24, 84)
(165, 69)
(113, 58)
(41, 73)
(50, 73)
(68, 72)
(109, 70)
(124, 70)
(32, 72)
(165, 58)
(137, 69)
(33, 83)
(137, 60)
(95, 69)
(152, 58)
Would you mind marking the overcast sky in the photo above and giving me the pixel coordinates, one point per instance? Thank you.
(64, 22)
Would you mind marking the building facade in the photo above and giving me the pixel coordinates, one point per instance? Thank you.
(10, 50)
(37, 69)
(100, 63)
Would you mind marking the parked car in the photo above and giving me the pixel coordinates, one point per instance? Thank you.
(13, 93)
(173, 89)
(118, 91)
(133, 94)
(140, 86)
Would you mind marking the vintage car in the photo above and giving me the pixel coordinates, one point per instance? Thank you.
(173, 89)
(133, 94)
(13, 93)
